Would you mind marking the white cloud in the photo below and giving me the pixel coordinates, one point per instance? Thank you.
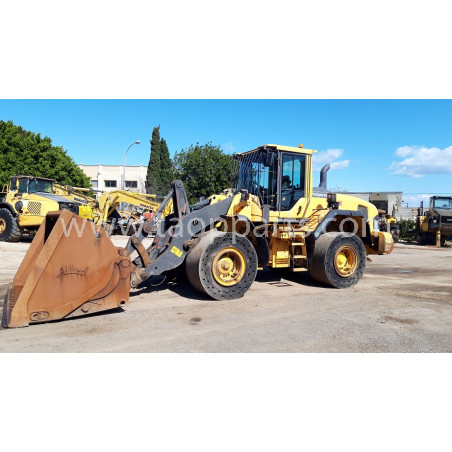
(329, 156)
(420, 160)
(340, 165)
(415, 200)
(228, 147)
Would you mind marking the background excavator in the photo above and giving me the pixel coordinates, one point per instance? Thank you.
(272, 217)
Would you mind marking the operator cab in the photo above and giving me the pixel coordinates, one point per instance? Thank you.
(29, 185)
(440, 202)
(276, 174)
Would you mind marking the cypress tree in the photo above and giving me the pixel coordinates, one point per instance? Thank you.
(153, 174)
(160, 169)
(166, 174)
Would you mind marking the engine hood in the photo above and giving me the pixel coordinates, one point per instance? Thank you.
(56, 198)
(444, 212)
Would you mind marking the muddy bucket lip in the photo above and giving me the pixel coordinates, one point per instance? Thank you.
(6, 307)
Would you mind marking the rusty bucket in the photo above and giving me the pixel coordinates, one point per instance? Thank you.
(71, 268)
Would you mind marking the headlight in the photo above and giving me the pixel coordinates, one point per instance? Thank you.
(19, 205)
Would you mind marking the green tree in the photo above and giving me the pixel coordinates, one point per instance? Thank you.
(153, 173)
(166, 168)
(160, 173)
(204, 169)
(27, 153)
(407, 229)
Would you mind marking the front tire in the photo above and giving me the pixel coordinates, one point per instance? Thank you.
(9, 229)
(395, 235)
(339, 260)
(223, 265)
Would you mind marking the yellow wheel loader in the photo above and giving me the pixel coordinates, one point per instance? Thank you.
(273, 217)
(435, 223)
(24, 204)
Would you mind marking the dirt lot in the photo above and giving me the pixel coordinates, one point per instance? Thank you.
(403, 304)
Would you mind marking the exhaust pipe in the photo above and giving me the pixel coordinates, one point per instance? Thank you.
(323, 172)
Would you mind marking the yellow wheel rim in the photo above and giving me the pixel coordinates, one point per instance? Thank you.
(345, 261)
(2, 225)
(229, 266)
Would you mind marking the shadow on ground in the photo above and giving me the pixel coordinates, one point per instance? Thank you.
(68, 319)
(180, 285)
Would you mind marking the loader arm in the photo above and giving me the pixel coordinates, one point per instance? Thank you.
(169, 247)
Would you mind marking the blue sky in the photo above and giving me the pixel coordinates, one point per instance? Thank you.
(374, 145)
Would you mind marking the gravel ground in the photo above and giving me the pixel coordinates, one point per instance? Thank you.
(403, 304)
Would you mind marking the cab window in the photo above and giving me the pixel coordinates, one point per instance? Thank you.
(23, 186)
(442, 203)
(40, 185)
(258, 174)
(292, 180)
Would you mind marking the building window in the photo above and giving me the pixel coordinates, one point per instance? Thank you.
(94, 183)
(110, 183)
(131, 184)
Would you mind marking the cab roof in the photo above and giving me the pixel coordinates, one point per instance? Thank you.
(279, 147)
(34, 177)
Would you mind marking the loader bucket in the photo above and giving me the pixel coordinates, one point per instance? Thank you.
(71, 269)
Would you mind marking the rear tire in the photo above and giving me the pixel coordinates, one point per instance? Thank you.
(222, 265)
(420, 238)
(339, 260)
(9, 229)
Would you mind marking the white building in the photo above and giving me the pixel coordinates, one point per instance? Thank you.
(109, 177)
(392, 198)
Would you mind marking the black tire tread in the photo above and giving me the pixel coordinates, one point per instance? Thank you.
(322, 266)
(198, 265)
(13, 234)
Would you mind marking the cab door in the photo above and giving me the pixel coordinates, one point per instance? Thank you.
(293, 185)
(12, 190)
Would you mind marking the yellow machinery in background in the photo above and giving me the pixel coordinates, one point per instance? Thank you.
(119, 210)
(123, 210)
(84, 197)
(26, 200)
(24, 204)
(272, 217)
(388, 222)
(435, 223)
